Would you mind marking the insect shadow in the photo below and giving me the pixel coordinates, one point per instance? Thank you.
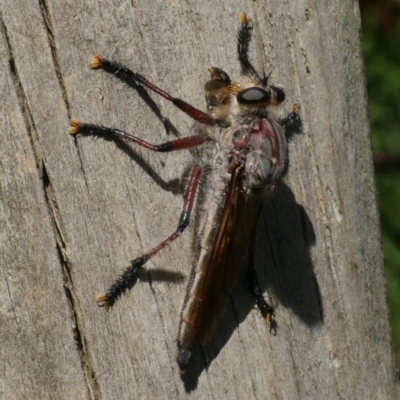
(174, 185)
(284, 270)
(151, 104)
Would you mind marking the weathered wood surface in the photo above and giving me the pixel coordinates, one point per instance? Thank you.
(74, 212)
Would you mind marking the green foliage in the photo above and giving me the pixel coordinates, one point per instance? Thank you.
(382, 63)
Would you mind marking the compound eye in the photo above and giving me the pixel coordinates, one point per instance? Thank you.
(254, 96)
(278, 95)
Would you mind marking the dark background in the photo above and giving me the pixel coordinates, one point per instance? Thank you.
(381, 36)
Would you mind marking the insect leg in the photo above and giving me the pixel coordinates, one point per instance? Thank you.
(128, 76)
(77, 127)
(293, 114)
(123, 281)
(266, 310)
(244, 38)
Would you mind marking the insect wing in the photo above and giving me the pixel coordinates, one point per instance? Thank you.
(221, 272)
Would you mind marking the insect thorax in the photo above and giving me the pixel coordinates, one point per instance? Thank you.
(258, 145)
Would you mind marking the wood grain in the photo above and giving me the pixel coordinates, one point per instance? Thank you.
(75, 211)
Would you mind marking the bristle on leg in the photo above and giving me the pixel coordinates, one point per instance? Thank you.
(74, 126)
(103, 301)
(96, 62)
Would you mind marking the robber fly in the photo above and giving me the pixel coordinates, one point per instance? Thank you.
(241, 154)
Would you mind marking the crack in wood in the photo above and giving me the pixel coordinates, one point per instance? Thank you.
(77, 327)
(49, 28)
(86, 363)
(57, 68)
(22, 100)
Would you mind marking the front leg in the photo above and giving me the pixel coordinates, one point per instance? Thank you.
(265, 308)
(243, 41)
(292, 116)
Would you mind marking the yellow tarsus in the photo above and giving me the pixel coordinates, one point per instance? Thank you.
(96, 62)
(74, 126)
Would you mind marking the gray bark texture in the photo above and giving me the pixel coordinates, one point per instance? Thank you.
(75, 211)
